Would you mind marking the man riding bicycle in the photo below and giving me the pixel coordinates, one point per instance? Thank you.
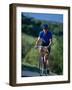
(45, 37)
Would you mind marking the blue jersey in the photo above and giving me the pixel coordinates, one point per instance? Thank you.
(45, 36)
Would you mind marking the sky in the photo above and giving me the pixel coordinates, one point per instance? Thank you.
(47, 17)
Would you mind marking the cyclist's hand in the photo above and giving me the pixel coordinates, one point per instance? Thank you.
(36, 46)
(46, 47)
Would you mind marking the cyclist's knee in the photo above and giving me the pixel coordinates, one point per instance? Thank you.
(46, 56)
(41, 52)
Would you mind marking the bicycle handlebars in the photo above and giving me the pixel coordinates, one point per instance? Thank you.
(41, 46)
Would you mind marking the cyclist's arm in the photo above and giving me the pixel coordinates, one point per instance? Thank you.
(38, 40)
(50, 42)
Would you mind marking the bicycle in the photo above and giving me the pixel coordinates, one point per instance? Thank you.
(43, 67)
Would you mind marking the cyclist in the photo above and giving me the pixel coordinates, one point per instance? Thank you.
(45, 37)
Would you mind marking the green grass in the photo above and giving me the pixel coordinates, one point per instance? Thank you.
(32, 57)
(28, 42)
(56, 56)
(31, 54)
(28, 39)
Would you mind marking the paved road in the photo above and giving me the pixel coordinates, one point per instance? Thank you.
(32, 71)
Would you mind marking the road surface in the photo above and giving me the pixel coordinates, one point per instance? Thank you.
(32, 71)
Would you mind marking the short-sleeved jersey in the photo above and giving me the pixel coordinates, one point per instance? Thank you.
(45, 37)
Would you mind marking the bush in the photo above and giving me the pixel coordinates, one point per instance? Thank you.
(56, 56)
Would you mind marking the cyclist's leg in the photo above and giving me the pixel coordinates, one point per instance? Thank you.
(47, 60)
(48, 68)
(46, 63)
(41, 60)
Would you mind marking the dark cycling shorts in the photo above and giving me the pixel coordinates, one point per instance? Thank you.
(44, 44)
